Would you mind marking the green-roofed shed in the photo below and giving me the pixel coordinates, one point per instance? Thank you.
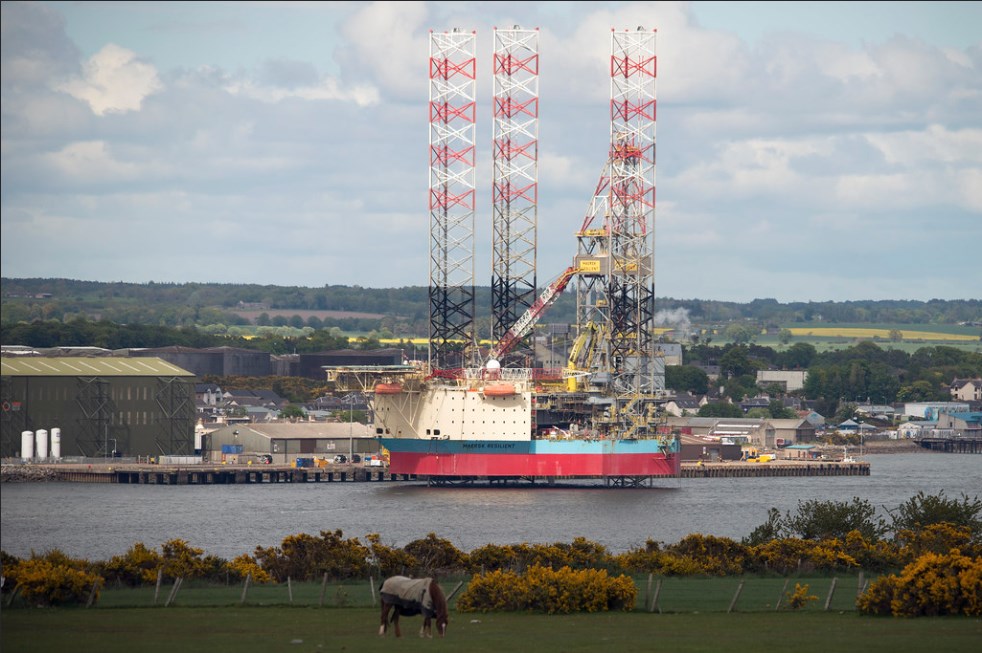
(100, 405)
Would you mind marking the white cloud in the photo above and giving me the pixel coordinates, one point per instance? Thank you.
(113, 80)
(389, 39)
(90, 162)
(327, 89)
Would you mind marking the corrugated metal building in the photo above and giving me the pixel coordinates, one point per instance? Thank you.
(131, 406)
(285, 442)
(312, 365)
(212, 361)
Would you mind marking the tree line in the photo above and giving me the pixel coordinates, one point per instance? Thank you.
(405, 308)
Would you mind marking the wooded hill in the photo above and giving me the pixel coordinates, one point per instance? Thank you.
(401, 310)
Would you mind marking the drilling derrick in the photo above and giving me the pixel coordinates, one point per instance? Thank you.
(515, 182)
(615, 284)
(452, 108)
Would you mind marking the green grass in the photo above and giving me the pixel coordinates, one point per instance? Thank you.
(691, 614)
(671, 594)
(279, 628)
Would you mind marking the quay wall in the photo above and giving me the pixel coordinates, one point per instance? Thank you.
(210, 474)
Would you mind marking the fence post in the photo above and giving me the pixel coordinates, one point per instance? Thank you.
(654, 598)
(736, 595)
(323, 589)
(371, 587)
(245, 587)
(13, 595)
(783, 590)
(454, 592)
(95, 586)
(289, 589)
(859, 584)
(173, 590)
(828, 599)
(160, 580)
(647, 594)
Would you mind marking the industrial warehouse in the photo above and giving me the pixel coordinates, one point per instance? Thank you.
(97, 407)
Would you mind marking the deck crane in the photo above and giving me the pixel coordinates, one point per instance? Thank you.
(524, 325)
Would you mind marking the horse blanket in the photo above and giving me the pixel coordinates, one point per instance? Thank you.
(410, 595)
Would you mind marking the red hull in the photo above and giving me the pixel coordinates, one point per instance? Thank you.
(523, 465)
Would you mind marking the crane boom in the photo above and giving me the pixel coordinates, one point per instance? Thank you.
(524, 325)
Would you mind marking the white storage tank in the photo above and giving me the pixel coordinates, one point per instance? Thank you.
(56, 443)
(26, 445)
(41, 438)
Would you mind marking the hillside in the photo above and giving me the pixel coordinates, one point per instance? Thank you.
(406, 310)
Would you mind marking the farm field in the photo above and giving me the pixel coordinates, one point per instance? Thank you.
(926, 332)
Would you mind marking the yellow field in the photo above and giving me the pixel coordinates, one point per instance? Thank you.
(422, 341)
(843, 332)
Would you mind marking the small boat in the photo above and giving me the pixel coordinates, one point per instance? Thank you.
(388, 388)
(499, 390)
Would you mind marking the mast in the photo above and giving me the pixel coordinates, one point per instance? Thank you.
(515, 181)
(615, 252)
(452, 109)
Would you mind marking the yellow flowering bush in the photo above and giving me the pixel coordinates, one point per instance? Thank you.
(245, 565)
(42, 582)
(934, 584)
(800, 597)
(543, 589)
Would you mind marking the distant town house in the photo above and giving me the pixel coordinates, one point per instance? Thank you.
(787, 380)
(684, 405)
(966, 389)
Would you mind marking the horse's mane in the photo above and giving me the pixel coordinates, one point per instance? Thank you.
(439, 599)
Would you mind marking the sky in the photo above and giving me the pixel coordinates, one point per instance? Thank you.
(806, 151)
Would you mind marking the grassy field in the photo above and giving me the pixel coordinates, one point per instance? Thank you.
(674, 614)
(278, 628)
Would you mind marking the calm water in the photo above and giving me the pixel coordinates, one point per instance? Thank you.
(97, 521)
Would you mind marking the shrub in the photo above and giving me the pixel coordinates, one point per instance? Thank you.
(933, 585)
(136, 567)
(800, 597)
(921, 511)
(388, 560)
(552, 591)
(180, 560)
(436, 555)
(934, 538)
(245, 565)
(717, 556)
(43, 582)
(305, 557)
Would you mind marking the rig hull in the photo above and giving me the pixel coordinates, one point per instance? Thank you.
(545, 458)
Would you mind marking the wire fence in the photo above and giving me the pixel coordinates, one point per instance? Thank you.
(661, 594)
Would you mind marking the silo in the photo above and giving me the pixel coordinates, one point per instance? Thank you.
(42, 443)
(26, 445)
(56, 443)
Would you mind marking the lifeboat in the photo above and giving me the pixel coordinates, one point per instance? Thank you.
(499, 390)
(388, 388)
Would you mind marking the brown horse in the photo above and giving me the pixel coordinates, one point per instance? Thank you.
(411, 596)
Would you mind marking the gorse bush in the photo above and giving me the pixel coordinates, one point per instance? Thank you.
(800, 597)
(552, 591)
(932, 585)
(580, 554)
(305, 557)
(53, 579)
